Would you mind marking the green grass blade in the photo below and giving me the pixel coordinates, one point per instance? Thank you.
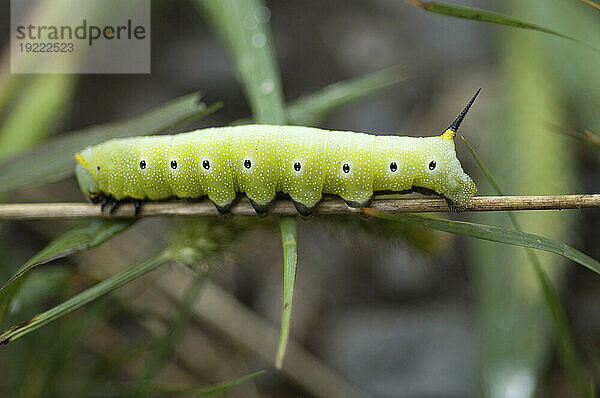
(84, 235)
(486, 16)
(9, 84)
(207, 391)
(162, 349)
(243, 26)
(57, 155)
(485, 170)
(493, 234)
(585, 137)
(100, 289)
(36, 113)
(312, 109)
(290, 258)
(566, 346)
(568, 354)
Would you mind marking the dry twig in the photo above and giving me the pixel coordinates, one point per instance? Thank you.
(36, 211)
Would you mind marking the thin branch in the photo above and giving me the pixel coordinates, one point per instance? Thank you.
(37, 211)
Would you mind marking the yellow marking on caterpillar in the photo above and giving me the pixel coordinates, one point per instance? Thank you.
(449, 134)
(80, 160)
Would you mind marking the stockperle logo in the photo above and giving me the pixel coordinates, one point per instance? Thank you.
(80, 36)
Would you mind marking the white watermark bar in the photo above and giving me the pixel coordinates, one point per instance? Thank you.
(80, 36)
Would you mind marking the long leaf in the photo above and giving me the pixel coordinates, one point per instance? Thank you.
(102, 288)
(290, 258)
(207, 391)
(485, 16)
(242, 26)
(54, 161)
(568, 353)
(311, 109)
(35, 113)
(494, 234)
(84, 235)
(585, 137)
(165, 343)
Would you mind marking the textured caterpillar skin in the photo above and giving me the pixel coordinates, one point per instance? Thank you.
(262, 160)
(303, 162)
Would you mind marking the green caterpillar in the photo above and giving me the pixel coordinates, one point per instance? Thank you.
(262, 160)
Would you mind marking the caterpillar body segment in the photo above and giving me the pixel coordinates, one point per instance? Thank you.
(263, 160)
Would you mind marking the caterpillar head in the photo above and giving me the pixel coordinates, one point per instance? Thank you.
(440, 169)
(87, 173)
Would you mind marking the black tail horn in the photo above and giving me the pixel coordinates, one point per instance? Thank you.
(454, 126)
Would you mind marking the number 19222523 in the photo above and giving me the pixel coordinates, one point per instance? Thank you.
(46, 47)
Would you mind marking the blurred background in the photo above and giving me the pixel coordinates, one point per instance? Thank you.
(380, 309)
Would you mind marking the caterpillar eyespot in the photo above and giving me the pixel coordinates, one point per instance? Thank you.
(351, 165)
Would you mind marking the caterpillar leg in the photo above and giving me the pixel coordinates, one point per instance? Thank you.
(103, 203)
(260, 209)
(115, 203)
(358, 205)
(454, 208)
(358, 200)
(137, 203)
(223, 201)
(260, 198)
(305, 202)
(303, 209)
(104, 199)
(226, 209)
(113, 206)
